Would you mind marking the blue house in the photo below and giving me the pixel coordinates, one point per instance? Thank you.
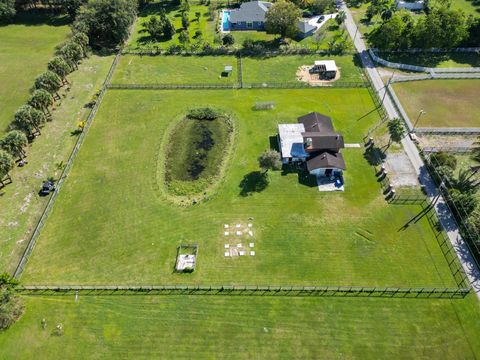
(250, 16)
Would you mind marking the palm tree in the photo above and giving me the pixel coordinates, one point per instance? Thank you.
(41, 99)
(49, 81)
(60, 67)
(396, 130)
(14, 142)
(6, 164)
(341, 17)
(81, 39)
(72, 53)
(467, 182)
(29, 119)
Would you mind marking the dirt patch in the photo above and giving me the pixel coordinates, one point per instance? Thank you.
(446, 140)
(400, 170)
(303, 74)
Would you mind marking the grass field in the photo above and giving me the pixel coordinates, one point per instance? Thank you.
(295, 225)
(25, 48)
(448, 103)
(134, 69)
(20, 203)
(245, 328)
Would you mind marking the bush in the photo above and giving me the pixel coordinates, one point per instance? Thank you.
(228, 40)
(11, 307)
(7, 10)
(203, 114)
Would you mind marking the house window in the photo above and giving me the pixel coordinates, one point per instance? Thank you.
(249, 25)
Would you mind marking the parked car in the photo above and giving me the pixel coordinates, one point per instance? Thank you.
(47, 187)
(320, 19)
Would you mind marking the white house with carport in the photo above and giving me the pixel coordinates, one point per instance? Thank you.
(314, 142)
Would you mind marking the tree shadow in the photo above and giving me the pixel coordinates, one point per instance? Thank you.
(253, 182)
(374, 155)
(36, 17)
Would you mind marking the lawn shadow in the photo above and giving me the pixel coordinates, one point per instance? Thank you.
(253, 182)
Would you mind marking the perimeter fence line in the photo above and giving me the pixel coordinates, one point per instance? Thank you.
(250, 290)
(239, 85)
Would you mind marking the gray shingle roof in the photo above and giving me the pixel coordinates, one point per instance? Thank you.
(250, 12)
(326, 160)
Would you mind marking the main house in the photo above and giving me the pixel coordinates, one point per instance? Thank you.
(313, 141)
(250, 16)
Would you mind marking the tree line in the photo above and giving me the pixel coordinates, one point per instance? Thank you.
(440, 27)
(98, 24)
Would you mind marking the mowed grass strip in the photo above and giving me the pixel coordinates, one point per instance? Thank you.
(178, 70)
(448, 103)
(245, 328)
(110, 226)
(25, 48)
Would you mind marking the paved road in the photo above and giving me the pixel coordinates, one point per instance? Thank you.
(443, 213)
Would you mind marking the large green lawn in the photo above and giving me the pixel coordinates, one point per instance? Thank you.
(25, 48)
(20, 204)
(112, 225)
(134, 69)
(217, 327)
(448, 103)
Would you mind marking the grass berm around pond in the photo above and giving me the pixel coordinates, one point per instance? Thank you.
(111, 225)
(195, 152)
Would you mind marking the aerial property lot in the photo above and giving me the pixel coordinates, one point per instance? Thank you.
(448, 103)
(114, 224)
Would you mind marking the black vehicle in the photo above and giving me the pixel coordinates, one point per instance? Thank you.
(47, 187)
(320, 19)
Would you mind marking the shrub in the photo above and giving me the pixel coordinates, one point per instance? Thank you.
(203, 114)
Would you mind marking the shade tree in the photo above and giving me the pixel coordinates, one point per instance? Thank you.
(106, 22)
(7, 10)
(6, 165)
(41, 100)
(282, 19)
(270, 160)
(60, 67)
(49, 81)
(14, 143)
